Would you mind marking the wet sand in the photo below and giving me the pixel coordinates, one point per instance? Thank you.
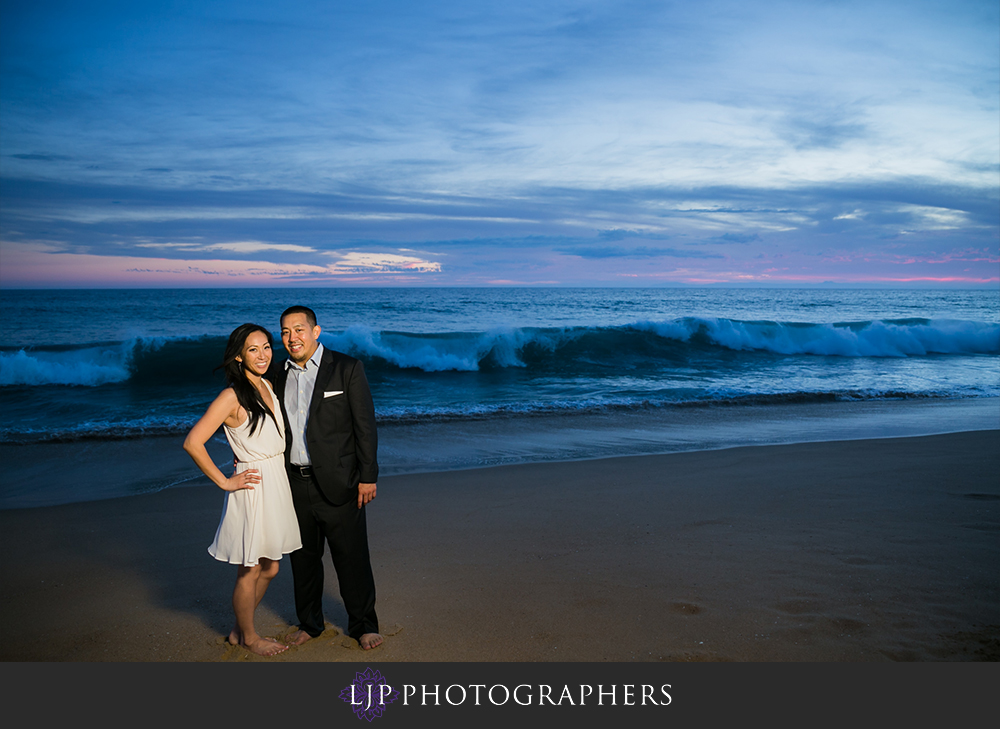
(871, 550)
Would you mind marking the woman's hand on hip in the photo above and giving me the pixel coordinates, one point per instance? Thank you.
(242, 480)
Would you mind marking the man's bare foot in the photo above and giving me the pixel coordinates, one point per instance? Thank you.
(370, 640)
(298, 638)
(235, 637)
(265, 647)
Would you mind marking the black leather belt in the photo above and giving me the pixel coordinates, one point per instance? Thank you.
(303, 471)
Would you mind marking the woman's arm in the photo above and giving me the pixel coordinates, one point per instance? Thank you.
(225, 409)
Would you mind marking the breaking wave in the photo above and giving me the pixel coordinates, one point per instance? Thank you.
(641, 345)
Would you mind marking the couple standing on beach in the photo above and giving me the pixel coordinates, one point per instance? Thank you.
(306, 466)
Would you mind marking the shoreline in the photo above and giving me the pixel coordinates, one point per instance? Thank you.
(863, 550)
(34, 473)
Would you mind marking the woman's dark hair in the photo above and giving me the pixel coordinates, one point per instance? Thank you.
(246, 393)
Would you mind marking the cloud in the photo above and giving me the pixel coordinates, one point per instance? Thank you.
(486, 238)
(614, 234)
(829, 130)
(636, 252)
(742, 238)
(35, 265)
(41, 157)
(239, 247)
(253, 246)
(518, 138)
(362, 262)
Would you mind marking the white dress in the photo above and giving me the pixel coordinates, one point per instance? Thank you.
(258, 522)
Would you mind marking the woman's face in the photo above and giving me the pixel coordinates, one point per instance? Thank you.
(256, 355)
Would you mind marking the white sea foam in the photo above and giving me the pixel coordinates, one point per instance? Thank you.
(88, 366)
(434, 353)
(81, 367)
(862, 339)
(506, 347)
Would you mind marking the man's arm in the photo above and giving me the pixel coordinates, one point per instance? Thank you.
(365, 434)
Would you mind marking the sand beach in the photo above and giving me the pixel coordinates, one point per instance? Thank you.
(865, 550)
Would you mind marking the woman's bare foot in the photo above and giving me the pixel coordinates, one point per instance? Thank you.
(266, 647)
(235, 637)
(370, 640)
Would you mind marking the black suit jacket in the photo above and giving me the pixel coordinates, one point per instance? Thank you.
(340, 432)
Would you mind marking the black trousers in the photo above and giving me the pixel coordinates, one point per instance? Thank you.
(344, 528)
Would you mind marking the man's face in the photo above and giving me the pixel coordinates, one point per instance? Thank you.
(300, 339)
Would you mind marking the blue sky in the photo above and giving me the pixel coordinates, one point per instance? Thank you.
(559, 143)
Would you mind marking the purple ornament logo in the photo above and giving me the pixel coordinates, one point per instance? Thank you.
(369, 694)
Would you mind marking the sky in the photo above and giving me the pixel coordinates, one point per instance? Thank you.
(202, 144)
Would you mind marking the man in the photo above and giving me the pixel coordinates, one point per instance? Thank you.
(330, 454)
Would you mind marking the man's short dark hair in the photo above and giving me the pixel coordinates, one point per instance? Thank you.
(310, 314)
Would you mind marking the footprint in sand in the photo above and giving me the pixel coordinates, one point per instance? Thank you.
(685, 608)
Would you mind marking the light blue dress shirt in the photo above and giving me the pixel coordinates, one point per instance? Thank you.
(298, 394)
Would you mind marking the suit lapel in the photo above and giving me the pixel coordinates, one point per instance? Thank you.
(325, 366)
(280, 378)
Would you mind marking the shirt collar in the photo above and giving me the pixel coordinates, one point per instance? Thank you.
(315, 359)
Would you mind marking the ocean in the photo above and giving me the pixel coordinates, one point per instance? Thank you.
(466, 377)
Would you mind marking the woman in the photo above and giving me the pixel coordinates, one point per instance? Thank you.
(258, 522)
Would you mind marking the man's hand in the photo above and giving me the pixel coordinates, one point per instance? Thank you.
(366, 492)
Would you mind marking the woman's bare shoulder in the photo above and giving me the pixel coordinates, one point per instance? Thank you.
(228, 401)
(227, 398)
